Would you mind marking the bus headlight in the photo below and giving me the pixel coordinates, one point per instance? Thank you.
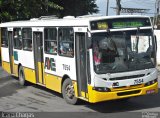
(101, 89)
(151, 82)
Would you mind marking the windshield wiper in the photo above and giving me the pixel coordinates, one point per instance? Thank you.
(137, 38)
(112, 41)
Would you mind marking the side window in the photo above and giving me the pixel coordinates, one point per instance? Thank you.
(27, 39)
(50, 38)
(66, 42)
(4, 37)
(17, 38)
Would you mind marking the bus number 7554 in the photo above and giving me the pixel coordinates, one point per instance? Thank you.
(138, 81)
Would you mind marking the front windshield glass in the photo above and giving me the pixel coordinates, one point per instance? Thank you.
(123, 51)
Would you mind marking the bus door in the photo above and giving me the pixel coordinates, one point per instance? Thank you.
(38, 56)
(11, 58)
(81, 64)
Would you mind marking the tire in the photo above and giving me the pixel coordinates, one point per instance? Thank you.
(21, 77)
(68, 92)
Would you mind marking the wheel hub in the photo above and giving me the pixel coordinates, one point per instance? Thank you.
(70, 91)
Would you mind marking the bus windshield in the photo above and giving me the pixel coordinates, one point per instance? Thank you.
(122, 51)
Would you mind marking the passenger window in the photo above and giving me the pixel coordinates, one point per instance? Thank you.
(66, 42)
(27, 39)
(17, 38)
(4, 37)
(50, 38)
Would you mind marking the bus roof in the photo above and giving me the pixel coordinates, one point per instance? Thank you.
(66, 21)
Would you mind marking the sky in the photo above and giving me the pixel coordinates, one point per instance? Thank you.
(146, 4)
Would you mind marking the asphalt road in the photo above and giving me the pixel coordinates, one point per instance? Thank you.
(34, 98)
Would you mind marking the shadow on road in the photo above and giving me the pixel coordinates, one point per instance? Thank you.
(9, 86)
(47, 90)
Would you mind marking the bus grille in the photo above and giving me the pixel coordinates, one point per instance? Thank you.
(128, 93)
(127, 77)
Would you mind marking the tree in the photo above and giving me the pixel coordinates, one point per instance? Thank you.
(25, 9)
(77, 7)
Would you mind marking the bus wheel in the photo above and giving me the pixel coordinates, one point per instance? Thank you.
(22, 80)
(68, 92)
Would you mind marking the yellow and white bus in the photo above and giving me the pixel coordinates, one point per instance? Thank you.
(93, 58)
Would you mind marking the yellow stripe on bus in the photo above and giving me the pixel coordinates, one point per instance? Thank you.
(6, 66)
(95, 96)
(83, 94)
(53, 82)
(15, 70)
(40, 71)
(30, 75)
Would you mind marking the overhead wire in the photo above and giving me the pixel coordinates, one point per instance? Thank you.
(146, 4)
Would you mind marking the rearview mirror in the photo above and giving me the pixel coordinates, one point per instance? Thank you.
(155, 42)
(155, 27)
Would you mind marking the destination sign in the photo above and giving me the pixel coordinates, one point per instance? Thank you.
(119, 23)
(127, 24)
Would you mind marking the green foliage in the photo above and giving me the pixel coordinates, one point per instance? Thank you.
(25, 9)
(77, 7)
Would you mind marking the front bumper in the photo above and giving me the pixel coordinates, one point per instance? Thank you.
(95, 96)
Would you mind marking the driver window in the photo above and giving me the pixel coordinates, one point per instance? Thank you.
(108, 50)
(97, 55)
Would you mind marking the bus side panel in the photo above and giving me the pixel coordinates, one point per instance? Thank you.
(5, 59)
(25, 58)
(40, 73)
(15, 68)
(29, 75)
(51, 78)
(6, 66)
(66, 66)
(55, 68)
(53, 82)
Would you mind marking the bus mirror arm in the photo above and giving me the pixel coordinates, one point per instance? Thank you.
(155, 27)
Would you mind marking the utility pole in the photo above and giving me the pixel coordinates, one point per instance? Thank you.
(118, 8)
(158, 8)
(47, 6)
(107, 7)
(157, 12)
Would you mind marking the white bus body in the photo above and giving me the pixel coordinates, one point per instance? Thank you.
(73, 72)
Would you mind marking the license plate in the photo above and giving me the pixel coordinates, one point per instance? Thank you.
(150, 91)
(138, 81)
